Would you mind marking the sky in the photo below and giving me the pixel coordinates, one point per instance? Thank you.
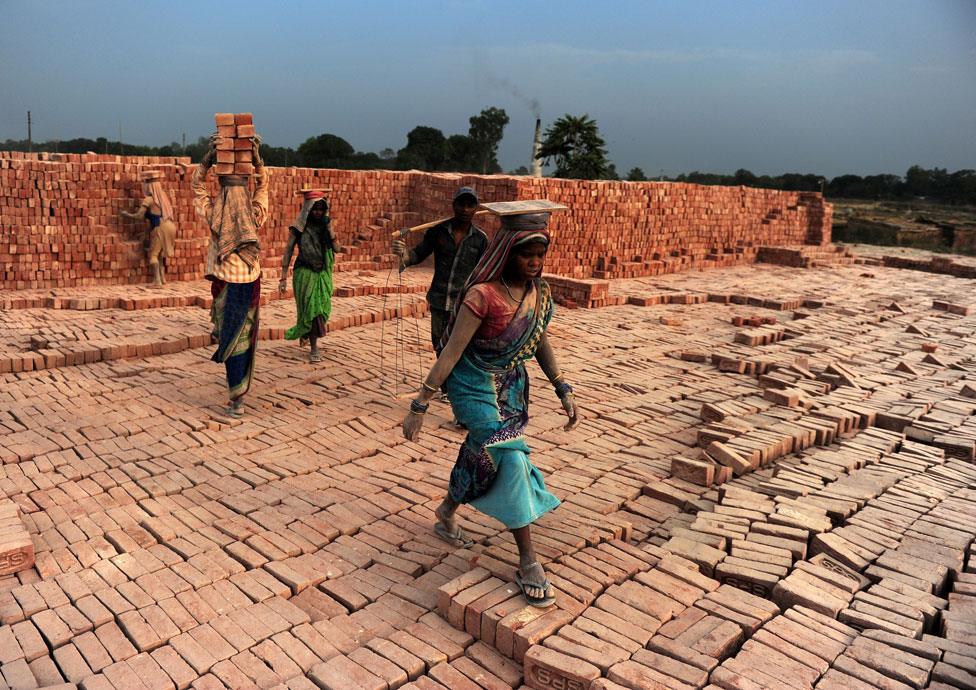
(827, 87)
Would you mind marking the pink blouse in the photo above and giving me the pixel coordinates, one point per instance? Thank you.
(491, 307)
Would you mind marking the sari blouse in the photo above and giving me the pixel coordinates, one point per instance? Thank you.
(491, 307)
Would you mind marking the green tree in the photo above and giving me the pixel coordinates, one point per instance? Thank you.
(426, 149)
(459, 153)
(636, 175)
(745, 177)
(918, 181)
(325, 151)
(962, 186)
(577, 147)
(485, 132)
(881, 186)
(521, 170)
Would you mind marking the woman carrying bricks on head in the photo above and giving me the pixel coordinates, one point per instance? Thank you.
(312, 282)
(234, 216)
(158, 210)
(504, 310)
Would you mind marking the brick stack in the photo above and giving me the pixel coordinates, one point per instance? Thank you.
(935, 264)
(235, 143)
(628, 229)
(59, 222)
(16, 547)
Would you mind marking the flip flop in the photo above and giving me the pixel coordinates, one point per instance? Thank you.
(459, 539)
(234, 412)
(538, 602)
(315, 358)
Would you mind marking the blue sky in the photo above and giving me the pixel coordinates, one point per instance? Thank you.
(829, 87)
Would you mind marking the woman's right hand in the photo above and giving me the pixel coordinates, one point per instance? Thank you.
(568, 402)
(283, 285)
(412, 424)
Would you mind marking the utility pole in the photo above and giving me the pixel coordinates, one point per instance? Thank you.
(30, 139)
(184, 142)
(120, 137)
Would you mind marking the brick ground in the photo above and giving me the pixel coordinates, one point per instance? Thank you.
(292, 549)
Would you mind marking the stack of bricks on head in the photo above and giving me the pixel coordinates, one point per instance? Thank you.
(235, 142)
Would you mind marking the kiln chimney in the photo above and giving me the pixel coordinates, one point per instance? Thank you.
(536, 147)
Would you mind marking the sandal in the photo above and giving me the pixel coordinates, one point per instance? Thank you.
(235, 409)
(538, 602)
(317, 357)
(457, 539)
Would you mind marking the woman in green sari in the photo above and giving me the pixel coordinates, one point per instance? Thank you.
(312, 282)
(500, 323)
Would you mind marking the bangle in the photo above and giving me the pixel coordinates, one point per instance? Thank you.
(563, 389)
(556, 380)
(418, 407)
(427, 387)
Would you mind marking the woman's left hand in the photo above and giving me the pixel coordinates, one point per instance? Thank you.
(412, 425)
(569, 407)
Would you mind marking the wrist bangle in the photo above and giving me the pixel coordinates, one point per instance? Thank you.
(427, 387)
(563, 389)
(418, 407)
(556, 380)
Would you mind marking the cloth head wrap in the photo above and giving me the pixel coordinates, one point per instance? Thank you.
(161, 199)
(525, 221)
(310, 199)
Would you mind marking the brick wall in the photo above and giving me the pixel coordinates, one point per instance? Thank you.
(60, 226)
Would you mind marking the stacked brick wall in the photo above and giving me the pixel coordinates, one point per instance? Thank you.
(60, 224)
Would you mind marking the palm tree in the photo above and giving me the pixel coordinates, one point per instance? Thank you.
(577, 147)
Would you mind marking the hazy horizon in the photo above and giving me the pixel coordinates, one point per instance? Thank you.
(773, 87)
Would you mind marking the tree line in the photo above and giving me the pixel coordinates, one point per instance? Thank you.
(572, 145)
(426, 149)
(936, 184)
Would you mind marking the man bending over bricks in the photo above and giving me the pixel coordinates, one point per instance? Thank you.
(233, 267)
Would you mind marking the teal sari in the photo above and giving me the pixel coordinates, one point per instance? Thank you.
(489, 393)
